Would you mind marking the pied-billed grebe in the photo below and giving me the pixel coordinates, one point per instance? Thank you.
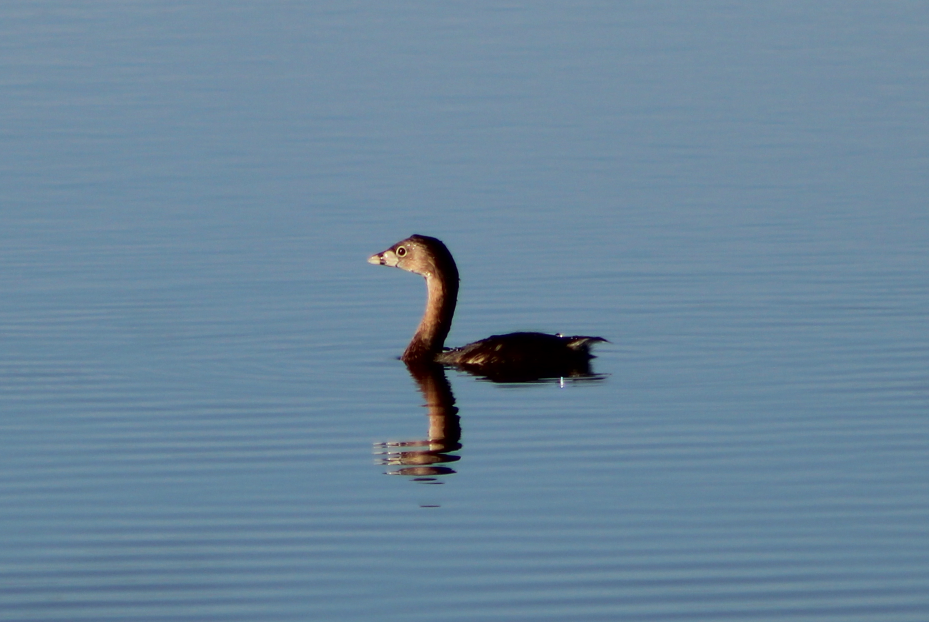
(526, 354)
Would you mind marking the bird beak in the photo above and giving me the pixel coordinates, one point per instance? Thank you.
(385, 258)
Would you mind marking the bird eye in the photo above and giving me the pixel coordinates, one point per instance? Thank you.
(401, 252)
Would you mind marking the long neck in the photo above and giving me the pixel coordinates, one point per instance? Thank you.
(442, 288)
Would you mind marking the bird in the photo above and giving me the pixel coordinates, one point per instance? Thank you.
(518, 356)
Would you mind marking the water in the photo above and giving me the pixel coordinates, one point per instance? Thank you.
(199, 376)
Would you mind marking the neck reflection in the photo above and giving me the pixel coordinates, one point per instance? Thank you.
(424, 459)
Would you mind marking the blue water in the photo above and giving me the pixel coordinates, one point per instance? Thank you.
(200, 400)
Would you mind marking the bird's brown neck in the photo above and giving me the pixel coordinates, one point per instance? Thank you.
(442, 288)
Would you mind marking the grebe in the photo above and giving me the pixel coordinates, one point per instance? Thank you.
(515, 355)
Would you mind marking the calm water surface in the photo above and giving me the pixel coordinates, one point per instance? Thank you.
(201, 408)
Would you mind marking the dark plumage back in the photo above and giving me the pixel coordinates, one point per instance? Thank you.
(524, 355)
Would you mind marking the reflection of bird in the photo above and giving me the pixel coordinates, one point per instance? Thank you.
(515, 355)
(424, 458)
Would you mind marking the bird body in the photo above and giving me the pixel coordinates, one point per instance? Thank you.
(520, 354)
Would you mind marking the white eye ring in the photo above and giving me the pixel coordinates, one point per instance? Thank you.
(401, 252)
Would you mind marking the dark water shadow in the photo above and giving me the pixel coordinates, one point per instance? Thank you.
(574, 372)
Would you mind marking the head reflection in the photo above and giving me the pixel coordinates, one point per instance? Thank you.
(424, 459)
